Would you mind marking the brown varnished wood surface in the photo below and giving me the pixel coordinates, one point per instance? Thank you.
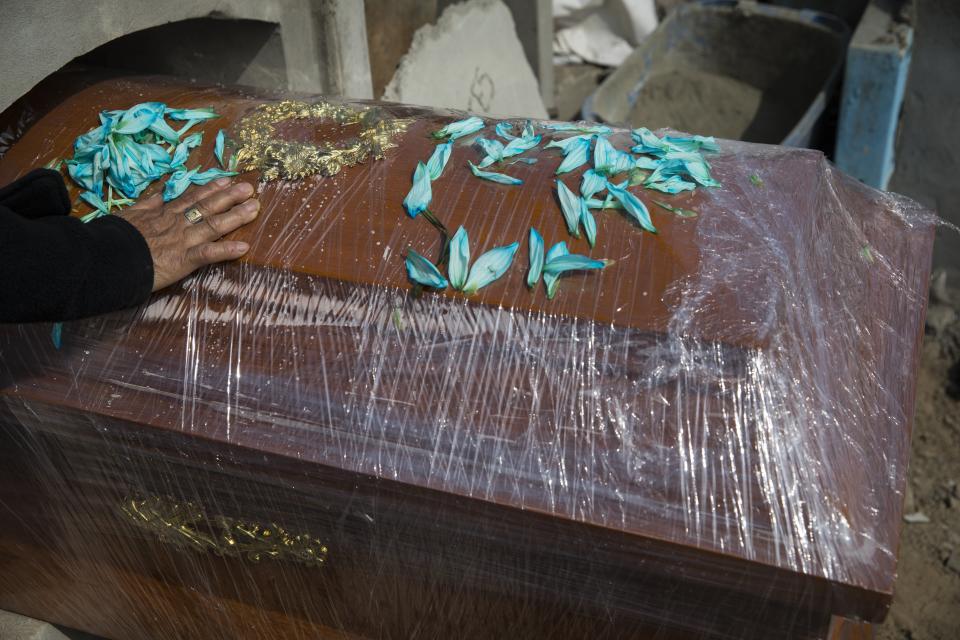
(447, 404)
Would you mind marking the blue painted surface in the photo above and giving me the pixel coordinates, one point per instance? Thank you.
(876, 77)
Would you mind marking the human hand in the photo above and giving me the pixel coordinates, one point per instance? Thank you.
(179, 248)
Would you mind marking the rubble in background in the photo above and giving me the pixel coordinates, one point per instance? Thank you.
(470, 59)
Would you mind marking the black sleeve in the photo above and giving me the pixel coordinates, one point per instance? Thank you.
(54, 267)
(39, 193)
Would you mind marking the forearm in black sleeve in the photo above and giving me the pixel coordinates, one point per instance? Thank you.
(58, 268)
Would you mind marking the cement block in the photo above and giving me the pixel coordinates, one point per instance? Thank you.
(873, 90)
(470, 59)
(17, 627)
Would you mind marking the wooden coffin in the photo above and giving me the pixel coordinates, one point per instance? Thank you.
(707, 439)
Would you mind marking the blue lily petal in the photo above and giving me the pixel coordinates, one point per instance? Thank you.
(536, 258)
(81, 173)
(673, 184)
(210, 174)
(438, 160)
(583, 127)
(95, 201)
(694, 143)
(552, 280)
(204, 113)
(633, 206)
(680, 212)
(592, 183)
(218, 147)
(177, 184)
(423, 272)
(493, 149)
(589, 223)
(528, 130)
(163, 130)
(575, 156)
(604, 156)
(459, 259)
(698, 169)
(56, 334)
(489, 267)
(570, 205)
(519, 145)
(608, 203)
(644, 162)
(564, 143)
(503, 130)
(183, 149)
(493, 177)
(648, 142)
(139, 117)
(460, 128)
(524, 161)
(420, 193)
(572, 262)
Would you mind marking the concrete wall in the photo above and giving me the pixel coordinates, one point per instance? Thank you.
(928, 149)
(323, 41)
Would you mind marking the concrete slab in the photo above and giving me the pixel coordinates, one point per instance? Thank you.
(470, 59)
(324, 42)
(17, 627)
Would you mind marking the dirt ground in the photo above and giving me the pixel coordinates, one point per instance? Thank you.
(926, 603)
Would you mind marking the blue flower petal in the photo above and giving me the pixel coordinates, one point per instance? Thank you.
(519, 145)
(460, 128)
(503, 130)
(633, 206)
(218, 147)
(583, 127)
(489, 267)
(589, 223)
(177, 184)
(552, 280)
(694, 143)
(648, 142)
(673, 184)
(204, 113)
(139, 117)
(575, 156)
(604, 156)
(423, 272)
(420, 193)
(493, 177)
(95, 201)
(564, 143)
(608, 203)
(570, 205)
(438, 160)
(182, 151)
(536, 258)
(210, 174)
(162, 129)
(572, 262)
(493, 149)
(459, 259)
(592, 183)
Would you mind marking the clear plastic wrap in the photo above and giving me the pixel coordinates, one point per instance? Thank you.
(708, 439)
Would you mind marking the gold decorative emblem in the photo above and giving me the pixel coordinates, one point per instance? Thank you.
(185, 525)
(259, 146)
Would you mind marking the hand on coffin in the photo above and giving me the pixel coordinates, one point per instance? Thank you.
(177, 245)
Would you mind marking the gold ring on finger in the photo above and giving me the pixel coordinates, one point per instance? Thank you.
(193, 215)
